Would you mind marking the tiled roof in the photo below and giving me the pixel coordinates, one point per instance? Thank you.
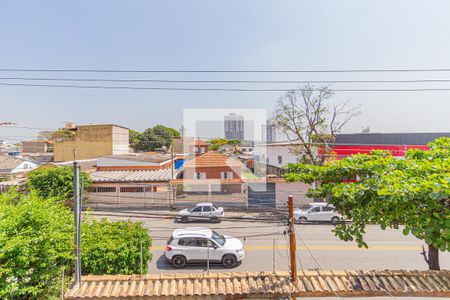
(252, 284)
(131, 176)
(213, 159)
(199, 143)
(151, 158)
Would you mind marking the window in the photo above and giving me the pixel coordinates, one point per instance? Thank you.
(207, 208)
(202, 149)
(197, 209)
(101, 189)
(200, 175)
(218, 238)
(315, 209)
(226, 175)
(194, 242)
(327, 208)
(196, 149)
(280, 159)
(132, 189)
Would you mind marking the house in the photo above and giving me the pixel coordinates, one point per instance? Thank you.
(92, 141)
(38, 146)
(138, 161)
(15, 167)
(198, 147)
(212, 165)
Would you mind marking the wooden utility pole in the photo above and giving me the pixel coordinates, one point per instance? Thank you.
(292, 247)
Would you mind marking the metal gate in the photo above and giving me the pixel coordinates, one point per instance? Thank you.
(261, 195)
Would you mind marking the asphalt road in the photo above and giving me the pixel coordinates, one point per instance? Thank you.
(317, 248)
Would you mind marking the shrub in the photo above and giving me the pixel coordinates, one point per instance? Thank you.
(56, 182)
(36, 242)
(114, 247)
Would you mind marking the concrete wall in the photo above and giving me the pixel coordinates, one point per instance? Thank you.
(296, 189)
(92, 141)
(272, 153)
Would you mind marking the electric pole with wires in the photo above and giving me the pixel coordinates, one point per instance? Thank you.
(292, 247)
(77, 217)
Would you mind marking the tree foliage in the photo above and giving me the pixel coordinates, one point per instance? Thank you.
(55, 182)
(306, 117)
(152, 138)
(216, 144)
(36, 243)
(413, 191)
(114, 247)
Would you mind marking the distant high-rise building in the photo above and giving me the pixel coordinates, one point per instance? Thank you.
(234, 127)
(269, 133)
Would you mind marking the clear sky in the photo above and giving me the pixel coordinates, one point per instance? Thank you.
(228, 34)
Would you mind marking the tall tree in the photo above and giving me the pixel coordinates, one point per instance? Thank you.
(156, 137)
(413, 192)
(306, 117)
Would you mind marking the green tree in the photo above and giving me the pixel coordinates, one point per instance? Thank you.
(134, 138)
(56, 182)
(36, 243)
(156, 137)
(114, 247)
(413, 192)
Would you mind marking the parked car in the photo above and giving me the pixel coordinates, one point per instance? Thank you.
(317, 212)
(202, 211)
(198, 244)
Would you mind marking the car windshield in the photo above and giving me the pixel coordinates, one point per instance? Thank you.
(306, 207)
(218, 238)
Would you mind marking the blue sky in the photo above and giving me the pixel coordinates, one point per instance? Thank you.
(222, 35)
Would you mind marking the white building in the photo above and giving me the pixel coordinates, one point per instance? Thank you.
(15, 167)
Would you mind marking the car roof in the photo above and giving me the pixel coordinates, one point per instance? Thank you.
(192, 232)
(204, 204)
(319, 204)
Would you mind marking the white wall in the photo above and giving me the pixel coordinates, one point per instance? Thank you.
(272, 153)
(24, 166)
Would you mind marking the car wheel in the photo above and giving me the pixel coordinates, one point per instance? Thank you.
(184, 219)
(179, 261)
(334, 220)
(302, 220)
(229, 261)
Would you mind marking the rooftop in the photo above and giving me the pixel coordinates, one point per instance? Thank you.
(150, 157)
(264, 285)
(189, 231)
(131, 176)
(213, 159)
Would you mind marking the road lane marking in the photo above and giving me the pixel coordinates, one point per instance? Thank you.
(339, 248)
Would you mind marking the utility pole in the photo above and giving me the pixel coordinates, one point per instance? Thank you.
(292, 247)
(77, 217)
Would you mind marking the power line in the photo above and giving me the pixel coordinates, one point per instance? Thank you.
(215, 89)
(223, 81)
(230, 71)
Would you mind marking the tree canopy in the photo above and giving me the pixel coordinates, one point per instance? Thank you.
(379, 188)
(55, 182)
(37, 244)
(152, 138)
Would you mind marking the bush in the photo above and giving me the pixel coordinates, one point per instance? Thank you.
(114, 247)
(56, 182)
(36, 242)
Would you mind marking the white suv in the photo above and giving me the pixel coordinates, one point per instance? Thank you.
(198, 244)
(317, 211)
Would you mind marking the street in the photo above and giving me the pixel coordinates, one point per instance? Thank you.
(317, 247)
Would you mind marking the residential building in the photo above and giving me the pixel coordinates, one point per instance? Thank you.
(212, 165)
(92, 141)
(198, 147)
(37, 146)
(15, 167)
(234, 126)
(153, 161)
